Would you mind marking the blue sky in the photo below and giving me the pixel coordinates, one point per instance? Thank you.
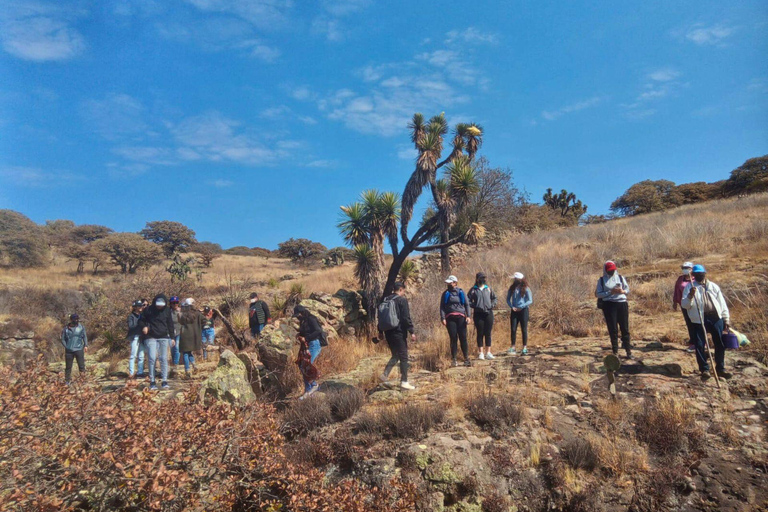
(251, 121)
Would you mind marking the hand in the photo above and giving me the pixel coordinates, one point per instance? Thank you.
(85, 349)
(413, 337)
(469, 320)
(692, 293)
(445, 322)
(300, 338)
(173, 343)
(726, 326)
(145, 330)
(515, 309)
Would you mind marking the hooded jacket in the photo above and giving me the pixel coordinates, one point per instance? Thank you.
(191, 337)
(453, 302)
(697, 302)
(607, 283)
(482, 299)
(159, 321)
(74, 338)
(133, 326)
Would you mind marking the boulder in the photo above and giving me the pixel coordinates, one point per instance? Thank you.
(276, 346)
(327, 299)
(330, 318)
(352, 303)
(229, 381)
(253, 370)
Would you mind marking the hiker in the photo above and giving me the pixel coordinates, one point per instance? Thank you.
(454, 313)
(519, 300)
(703, 298)
(138, 349)
(191, 337)
(482, 300)
(157, 326)
(258, 315)
(611, 293)
(209, 331)
(311, 338)
(75, 343)
(175, 314)
(396, 324)
(677, 298)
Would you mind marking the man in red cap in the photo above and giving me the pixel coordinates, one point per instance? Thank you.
(611, 293)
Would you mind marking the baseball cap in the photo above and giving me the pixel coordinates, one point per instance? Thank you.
(610, 266)
(518, 275)
(174, 299)
(687, 264)
(699, 269)
(74, 317)
(452, 279)
(189, 301)
(137, 303)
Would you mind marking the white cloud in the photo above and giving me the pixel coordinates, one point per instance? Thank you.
(345, 7)
(115, 116)
(713, 35)
(758, 84)
(276, 112)
(551, 115)
(329, 24)
(471, 35)
(40, 31)
(302, 93)
(663, 75)
(36, 177)
(263, 14)
(658, 84)
(406, 152)
(328, 27)
(308, 120)
(222, 183)
(323, 164)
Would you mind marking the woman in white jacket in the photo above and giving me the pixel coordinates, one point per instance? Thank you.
(706, 307)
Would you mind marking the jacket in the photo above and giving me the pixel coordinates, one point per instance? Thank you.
(309, 328)
(680, 284)
(258, 314)
(453, 302)
(176, 324)
(519, 300)
(133, 326)
(158, 321)
(74, 338)
(403, 314)
(607, 283)
(697, 302)
(482, 299)
(191, 337)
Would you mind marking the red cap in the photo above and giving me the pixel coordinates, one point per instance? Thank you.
(610, 266)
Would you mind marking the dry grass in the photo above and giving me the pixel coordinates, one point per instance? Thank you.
(496, 414)
(619, 456)
(668, 425)
(407, 421)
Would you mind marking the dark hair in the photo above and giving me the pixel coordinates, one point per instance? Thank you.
(254, 295)
(398, 286)
(522, 283)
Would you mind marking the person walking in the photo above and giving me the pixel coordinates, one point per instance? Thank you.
(209, 330)
(397, 335)
(75, 342)
(454, 313)
(482, 299)
(258, 315)
(708, 311)
(175, 314)
(611, 292)
(138, 349)
(677, 298)
(519, 300)
(311, 338)
(157, 326)
(191, 336)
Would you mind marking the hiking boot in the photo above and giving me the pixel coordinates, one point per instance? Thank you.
(454, 363)
(512, 352)
(187, 375)
(490, 356)
(629, 356)
(383, 377)
(314, 387)
(525, 351)
(705, 375)
(407, 385)
(467, 362)
(725, 375)
(481, 356)
(165, 385)
(691, 349)
(152, 386)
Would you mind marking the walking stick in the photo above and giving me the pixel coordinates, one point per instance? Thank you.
(706, 338)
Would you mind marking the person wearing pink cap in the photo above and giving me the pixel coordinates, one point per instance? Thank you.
(677, 298)
(611, 293)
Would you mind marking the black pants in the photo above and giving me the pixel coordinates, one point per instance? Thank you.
(518, 318)
(484, 327)
(617, 317)
(69, 357)
(691, 327)
(398, 345)
(457, 331)
(714, 326)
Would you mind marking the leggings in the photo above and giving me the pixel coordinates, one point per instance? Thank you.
(515, 318)
(457, 331)
(483, 327)
(617, 317)
(398, 346)
(69, 358)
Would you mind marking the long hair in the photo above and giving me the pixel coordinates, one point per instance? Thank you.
(521, 283)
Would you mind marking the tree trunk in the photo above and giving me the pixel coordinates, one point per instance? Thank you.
(445, 256)
(394, 269)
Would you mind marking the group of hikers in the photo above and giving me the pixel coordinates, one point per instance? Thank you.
(169, 329)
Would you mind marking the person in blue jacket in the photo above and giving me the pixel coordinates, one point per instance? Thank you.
(519, 299)
(75, 342)
(454, 313)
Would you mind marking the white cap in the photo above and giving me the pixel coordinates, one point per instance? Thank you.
(687, 264)
(452, 279)
(518, 275)
(188, 302)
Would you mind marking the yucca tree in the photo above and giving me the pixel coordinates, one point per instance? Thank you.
(367, 273)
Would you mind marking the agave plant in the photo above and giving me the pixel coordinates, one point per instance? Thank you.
(407, 271)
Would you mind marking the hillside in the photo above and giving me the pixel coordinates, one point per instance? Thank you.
(536, 432)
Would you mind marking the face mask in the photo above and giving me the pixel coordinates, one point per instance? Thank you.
(160, 304)
(699, 277)
(686, 271)
(253, 301)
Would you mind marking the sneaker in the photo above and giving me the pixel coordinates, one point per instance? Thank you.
(407, 385)
(383, 378)
(705, 375)
(467, 362)
(67, 383)
(165, 385)
(153, 386)
(481, 356)
(525, 351)
(725, 375)
(512, 352)
(312, 389)
(139, 375)
(454, 363)
(187, 375)
(629, 356)
(490, 356)
(691, 349)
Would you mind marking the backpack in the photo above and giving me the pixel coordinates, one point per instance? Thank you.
(447, 296)
(323, 338)
(387, 314)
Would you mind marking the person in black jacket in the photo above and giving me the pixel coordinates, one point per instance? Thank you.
(157, 326)
(258, 315)
(310, 334)
(454, 313)
(397, 338)
(138, 349)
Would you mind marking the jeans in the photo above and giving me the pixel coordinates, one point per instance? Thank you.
(138, 350)
(518, 318)
(314, 351)
(155, 348)
(209, 335)
(457, 331)
(483, 327)
(69, 357)
(714, 326)
(189, 358)
(617, 317)
(175, 354)
(256, 329)
(398, 346)
(690, 326)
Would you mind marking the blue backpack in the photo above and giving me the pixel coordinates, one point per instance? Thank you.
(447, 296)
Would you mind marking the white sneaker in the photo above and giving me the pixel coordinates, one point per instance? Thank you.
(481, 357)
(512, 352)
(383, 378)
(407, 385)
(490, 356)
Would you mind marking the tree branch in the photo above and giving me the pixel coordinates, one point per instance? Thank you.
(449, 243)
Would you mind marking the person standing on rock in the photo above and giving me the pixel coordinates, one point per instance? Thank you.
(397, 335)
(191, 337)
(708, 311)
(258, 315)
(482, 300)
(310, 336)
(611, 292)
(677, 298)
(138, 349)
(519, 300)
(209, 330)
(454, 313)
(75, 342)
(157, 326)
(175, 314)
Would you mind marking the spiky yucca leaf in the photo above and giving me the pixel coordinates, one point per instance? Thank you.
(464, 182)
(389, 213)
(353, 225)
(407, 271)
(366, 265)
(417, 128)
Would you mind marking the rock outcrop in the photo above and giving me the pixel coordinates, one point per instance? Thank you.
(228, 382)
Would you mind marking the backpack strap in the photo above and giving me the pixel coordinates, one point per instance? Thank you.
(462, 298)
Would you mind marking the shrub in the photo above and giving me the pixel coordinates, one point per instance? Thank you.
(495, 502)
(306, 415)
(22, 242)
(494, 414)
(345, 402)
(171, 236)
(580, 454)
(407, 421)
(668, 425)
